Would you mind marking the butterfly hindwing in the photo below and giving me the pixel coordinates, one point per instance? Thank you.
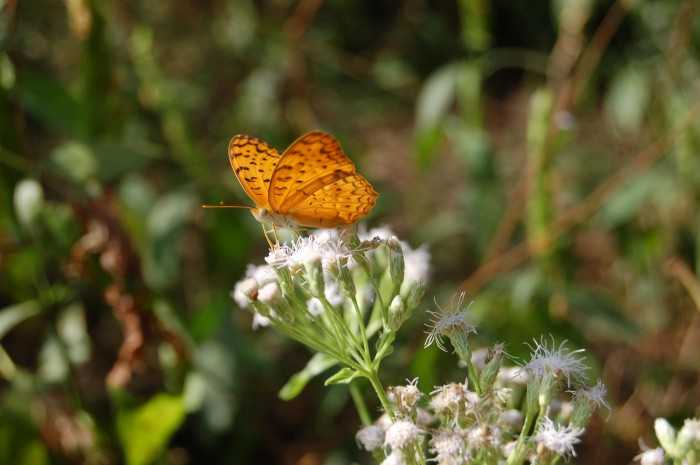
(310, 162)
(253, 162)
(343, 201)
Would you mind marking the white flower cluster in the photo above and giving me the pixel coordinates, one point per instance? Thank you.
(500, 420)
(334, 291)
(352, 267)
(677, 446)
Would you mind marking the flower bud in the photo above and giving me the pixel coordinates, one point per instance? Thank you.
(28, 199)
(512, 418)
(396, 261)
(245, 292)
(582, 411)
(346, 281)
(493, 365)
(666, 436)
(689, 435)
(270, 294)
(652, 457)
(314, 274)
(398, 313)
(415, 295)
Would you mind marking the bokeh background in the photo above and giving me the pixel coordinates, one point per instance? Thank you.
(546, 152)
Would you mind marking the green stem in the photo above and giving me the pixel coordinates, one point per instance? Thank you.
(360, 404)
(363, 332)
(460, 342)
(371, 375)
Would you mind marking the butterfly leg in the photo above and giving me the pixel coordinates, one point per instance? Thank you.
(274, 233)
(267, 238)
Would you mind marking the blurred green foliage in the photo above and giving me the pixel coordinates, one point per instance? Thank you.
(543, 150)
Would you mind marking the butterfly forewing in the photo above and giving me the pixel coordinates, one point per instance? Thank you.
(254, 163)
(311, 162)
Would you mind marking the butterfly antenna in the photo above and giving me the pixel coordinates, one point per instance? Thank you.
(227, 205)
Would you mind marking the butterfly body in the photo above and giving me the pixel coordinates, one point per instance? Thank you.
(312, 184)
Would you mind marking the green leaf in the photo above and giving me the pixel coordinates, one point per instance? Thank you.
(315, 366)
(145, 431)
(343, 376)
(15, 314)
(51, 103)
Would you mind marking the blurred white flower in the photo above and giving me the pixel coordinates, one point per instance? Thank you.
(416, 264)
(447, 321)
(549, 359)
(402, 433)
(557, 438)
(28, 200)
(370, 437)
(652, 457)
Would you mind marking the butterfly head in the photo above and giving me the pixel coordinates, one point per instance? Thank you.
(264, 215)
(260, 214)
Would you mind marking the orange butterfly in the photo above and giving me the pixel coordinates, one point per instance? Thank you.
(312, 184)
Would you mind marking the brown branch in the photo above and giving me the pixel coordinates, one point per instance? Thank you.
(568, 91)
(680, 270)
(520, 252)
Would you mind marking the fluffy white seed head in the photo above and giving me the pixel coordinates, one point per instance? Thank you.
(370, 437)
(512, 375)
(401, 434)
(449, 447)
(405, 397)
(449, 398)
(557, 438)
(556, 360)
(595, 395)
(446, 322)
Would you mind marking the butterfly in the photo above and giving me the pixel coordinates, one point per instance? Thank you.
(312, 184)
